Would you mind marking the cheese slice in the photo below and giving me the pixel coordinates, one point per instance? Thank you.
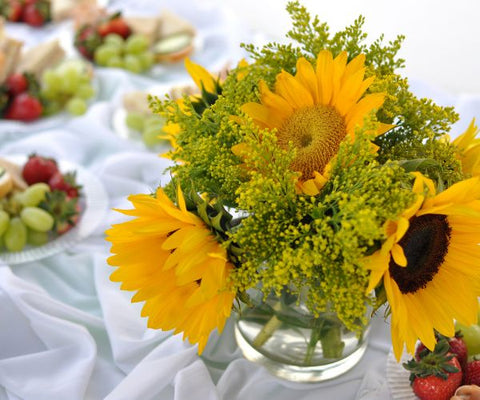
(146, 26)
(15, 172)
(171, 24)
(10, 50)
(41, 57)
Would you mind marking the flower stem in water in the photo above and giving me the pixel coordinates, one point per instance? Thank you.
(269, 328)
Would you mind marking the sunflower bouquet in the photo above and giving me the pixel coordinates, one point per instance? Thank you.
(311, 172)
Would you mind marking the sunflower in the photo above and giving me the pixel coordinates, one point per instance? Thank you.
(430, 263)
(176, 266)
(469, 146)
(315, 110)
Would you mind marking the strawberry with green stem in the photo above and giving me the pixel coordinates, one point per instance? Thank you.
(437, 374)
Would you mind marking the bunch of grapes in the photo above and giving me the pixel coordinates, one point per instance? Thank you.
(150, 127)
(67, 86)
(132, 54)
(22, 221)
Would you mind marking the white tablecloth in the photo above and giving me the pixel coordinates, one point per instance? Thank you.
(67, 332)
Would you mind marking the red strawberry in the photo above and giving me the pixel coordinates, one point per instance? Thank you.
(64, 226)
(38, 169)
(64, 210)
(14, 11)
(437, 375)
(24, 107)
(114, 24)
(421, 351)
(472, 373)
(36, 13)
(64, 182)
(459, 348)
(87, 40)
(16, 83)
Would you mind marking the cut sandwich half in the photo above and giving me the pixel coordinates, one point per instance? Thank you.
(10, 50)
(174, 39)
(41, 57)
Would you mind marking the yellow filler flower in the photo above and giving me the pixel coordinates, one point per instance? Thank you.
(170, 257)
(315, 110)
(430, 264)
(469, 146)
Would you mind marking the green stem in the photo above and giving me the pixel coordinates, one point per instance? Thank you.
(269, 328)
(332, 344)
(312, 344)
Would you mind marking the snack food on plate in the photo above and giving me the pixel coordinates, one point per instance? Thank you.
(40, 81)
(44, 206)
(132, 42)
(39, 12)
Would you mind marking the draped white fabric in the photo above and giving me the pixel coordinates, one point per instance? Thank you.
(67, 332)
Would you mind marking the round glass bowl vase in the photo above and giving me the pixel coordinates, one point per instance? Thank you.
(293, 344)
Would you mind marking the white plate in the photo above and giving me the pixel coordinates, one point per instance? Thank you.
(93, 204)
(398, 378)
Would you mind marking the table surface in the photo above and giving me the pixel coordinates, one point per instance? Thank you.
(67, 332)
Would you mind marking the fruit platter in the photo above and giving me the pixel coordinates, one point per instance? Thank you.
(45, 206)
(437, 374)
(41, 81)
(133, 43)
(37, 13)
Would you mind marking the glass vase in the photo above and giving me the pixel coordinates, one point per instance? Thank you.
(284, 336)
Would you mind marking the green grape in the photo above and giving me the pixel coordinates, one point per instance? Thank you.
(37, 219)
(114, 40)
(146, 59)
(36, 238)
(51, 107)
(4, 221)
(132, 63)
(136, 44)
(15, 237)
(471, 337)
(150, 137)
(51, 79)
(34, 194)
(104, 53)
(85, 91)
(154, 121)
(135, 121)
(116, 62)
(76, 106)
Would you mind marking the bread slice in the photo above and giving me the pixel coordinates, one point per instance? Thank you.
(171, 24)
(10, 50)
(63, 9)
(41, 57)
(15, 172)
(146, 26)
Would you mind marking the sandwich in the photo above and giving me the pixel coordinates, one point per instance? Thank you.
(41, 57)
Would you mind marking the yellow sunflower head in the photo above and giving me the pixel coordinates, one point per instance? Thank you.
(469, 149)
(316, 110)
(176, 266)
(429, 263)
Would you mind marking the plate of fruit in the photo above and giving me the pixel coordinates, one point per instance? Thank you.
(46, 206)
(439, 373)
(139, 44)
(39, 87)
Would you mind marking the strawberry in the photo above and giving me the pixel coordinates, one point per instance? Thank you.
(24, 107)
(472, 373)
(13, 11)
(87, 40)
(16, 83)
(39, 169)
(114, 24)
(437, 375)
(64, 182)
(64, 210)
(36, 13)
(459, 348)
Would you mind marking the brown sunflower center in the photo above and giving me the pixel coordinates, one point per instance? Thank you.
(316, 133)
(425, 245)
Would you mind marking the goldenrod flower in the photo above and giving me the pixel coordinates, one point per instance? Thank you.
(174, 263)
(469, 146)
(430, 263)
(315, 110)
